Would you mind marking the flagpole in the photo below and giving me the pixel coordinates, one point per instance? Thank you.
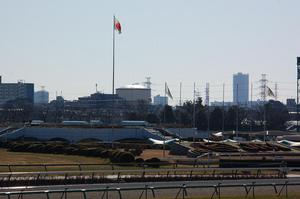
(113, 64)
(164, 146)
(297, 105)
(251, 112)
(113, 81)
(165, 103)
(223, 111)
(194, 111)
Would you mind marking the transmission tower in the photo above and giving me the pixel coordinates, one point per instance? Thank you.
(263, 87)
(207, 94)
(276, 91)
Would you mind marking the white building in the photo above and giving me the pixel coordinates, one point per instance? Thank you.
(134, 92)
(41, 97)
(240, 88)
(160, 100)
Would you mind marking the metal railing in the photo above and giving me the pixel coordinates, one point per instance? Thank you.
(181, 191)
(147, 170)
(134, 175)
(113, 166)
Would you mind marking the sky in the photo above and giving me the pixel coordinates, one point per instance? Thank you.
(66, 45)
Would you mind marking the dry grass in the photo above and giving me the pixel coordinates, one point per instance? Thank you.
(7, 157)
(157, 153)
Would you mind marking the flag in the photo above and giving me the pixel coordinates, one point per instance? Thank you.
(270, 92)
(168, 92)
(117, 25)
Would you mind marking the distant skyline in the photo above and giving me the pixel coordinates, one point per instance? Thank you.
(66, 45)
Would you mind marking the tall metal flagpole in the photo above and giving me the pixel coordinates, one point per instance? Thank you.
(251, 107)
(113, 77)
(113, 81)
(297, 105)
(237, 110)
(194, 110)
(223, 112)
(164, 145)
(165, 103)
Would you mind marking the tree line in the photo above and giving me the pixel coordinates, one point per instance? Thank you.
(271, 115)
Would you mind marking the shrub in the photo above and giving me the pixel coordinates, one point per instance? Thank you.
(125, 157)
(56, 148)
(153, 162)
(136, 152)
(114, 156)
(58, 139)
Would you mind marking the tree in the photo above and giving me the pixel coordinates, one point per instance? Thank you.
(142, 109)
(276, 115)
(167, 114)
(230, 118)
(152, 118)
(215, 119)
(185, 112)
(201, 120)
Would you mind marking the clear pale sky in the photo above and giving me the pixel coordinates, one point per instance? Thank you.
(66, 45)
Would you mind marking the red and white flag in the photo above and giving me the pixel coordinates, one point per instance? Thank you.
(117, 26)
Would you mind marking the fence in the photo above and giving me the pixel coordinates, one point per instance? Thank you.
(80, 167)
(182, 191)
(134, 175)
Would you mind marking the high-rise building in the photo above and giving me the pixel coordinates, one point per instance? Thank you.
(12, 91)
(240, 88)
(160, 100)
